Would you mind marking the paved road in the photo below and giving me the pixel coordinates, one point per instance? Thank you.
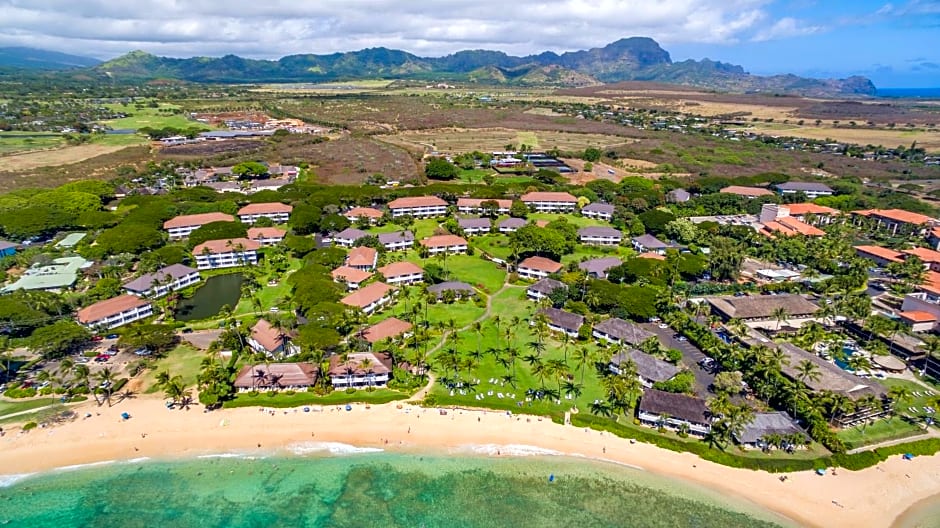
(691, 355)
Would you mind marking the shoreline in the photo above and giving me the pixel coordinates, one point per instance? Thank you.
(876, 496)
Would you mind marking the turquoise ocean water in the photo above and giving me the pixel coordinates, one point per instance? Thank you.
(364, 490)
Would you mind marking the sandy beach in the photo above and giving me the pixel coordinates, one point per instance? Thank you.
(874, 497)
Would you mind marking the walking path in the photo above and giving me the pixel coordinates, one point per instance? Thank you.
(929, 433)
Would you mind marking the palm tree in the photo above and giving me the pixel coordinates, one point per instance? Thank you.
(899, 395)
(601, 407)
(366, 366)
(557, 369)
(107, 378)
(477, 327)
(582, 358)
(780, 314)
(807, 370)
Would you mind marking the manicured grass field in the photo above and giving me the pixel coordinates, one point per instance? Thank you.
(574, 219)
(184, 360)
(150, 117)
(462, 312)
(473, 175)
(495, 245)
(879, 431)
(422, 228)
(13, 142)
(20, 406)
(283, 400)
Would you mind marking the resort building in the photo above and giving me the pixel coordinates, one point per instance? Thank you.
(370, 298)
(445, 244)
(600, 236)
(215, 254)
(929, 257)
(879, 255)
(362, 369)
(649, 369)
(458, 289)
(812, 190)
(70, 240)
(811, 213)
(276, 376)
(402, 273)
(766, 425)
(7, 249)
(674, 411)
(896, 220)
(770, 312)
(363, 258)
(276, 211)
(510, 225)
(55, 276)
(266, 339)
(418, 207)
(550, 202)
(789, 226)
(171, 278)
(115, 312)
(678, 196)
(357, 213)
(562, 321)
(397, 241)
(747, 192)
(779, 219)
(391, 328)
(649, 243)
(475, 206)
(351, 277)
(474, 226)
(181, 226)
(933, 238)
(615, 330)
(544, 288)
(267, 236)
(347, 237)
(598, 211)
(598, 267)
(537, 268)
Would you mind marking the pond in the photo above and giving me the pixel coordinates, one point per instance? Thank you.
(209, 298)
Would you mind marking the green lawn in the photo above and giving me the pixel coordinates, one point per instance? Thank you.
(150, 117)
(592, 252)
(13, 142)
(476, 271)
(462, 312)
(494, 244)
(282, 400)
(184, 360)
(474, 175)
(574, 219)
(879, 431)
(422, 228)
(20, 406)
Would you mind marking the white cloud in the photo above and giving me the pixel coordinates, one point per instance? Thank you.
(272, 28)
(785, 28)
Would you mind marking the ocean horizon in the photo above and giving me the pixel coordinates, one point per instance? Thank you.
(906, 93)
(338, 485)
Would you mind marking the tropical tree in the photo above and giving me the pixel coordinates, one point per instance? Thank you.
(780, 315)
(807, 370)
(106, 379)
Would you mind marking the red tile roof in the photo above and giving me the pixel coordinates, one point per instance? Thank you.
(267, 336)
(880, 252)
(444, 241)
(367, 295)
(255, 233)
(477, 202)
(927, 255)
(265, 208)
(897, 215)
(917, 316)
(361, 256)
(397, 269)
(368, 212)
(112, 306)
(197, 220)
(416, 201)
(350, 275)
(287, 375)
(791, 226)
(354, 362)
(225, 246)
(747, 191)
(801, 209)
(651, 255)
(541, 264)
(391, 327)
(540, 196)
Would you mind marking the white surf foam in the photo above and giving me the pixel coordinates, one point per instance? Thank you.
(244, 456)
(83, 466)
(333, 448)
(508, 450)
(9, 480)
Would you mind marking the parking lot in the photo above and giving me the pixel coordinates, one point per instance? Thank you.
(691, 356)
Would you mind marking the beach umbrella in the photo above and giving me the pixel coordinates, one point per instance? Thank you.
(908, 456)
(348, 407)
(125, 416)
(820, 471)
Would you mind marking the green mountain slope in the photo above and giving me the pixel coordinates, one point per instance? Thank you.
(37, 59)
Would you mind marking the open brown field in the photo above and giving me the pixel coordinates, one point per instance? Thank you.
(54, 157)
(350, 161)
(928, 139)
(457, 140)
(102, 166)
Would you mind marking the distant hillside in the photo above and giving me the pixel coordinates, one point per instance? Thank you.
(636, 58)
(37, 59)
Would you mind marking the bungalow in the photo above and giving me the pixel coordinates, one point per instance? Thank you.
(351, 277)
(475, 205)
(618, 331)
(812, 190)
(510, 225)
(361, 369)
(357, 213)
(600, 236)
(537, 268)
(288, 172)
(762, 310)
(181, 226)
(544, 288)
(214, 254)
(649, 243)
(598, 211)
(459, 289)
(114, 312)
(347, 237)
(598, 267)
(226, 186)
(390, 328)
(764, 425)
(276, 211)
(919, 320)
(649, 369)
(266, 339)
(418, 207)
(474, 226)
(267, 184)
(276, 376)
(811, 213)
(550, 202)
(788, 226)
(894, 220)
(7, 249)
(879, 255)
(397, 241)
(171, 278)
(370, 298)
(747, 192)
(363, 258)
(402, 273)
(678, 196)
(562, 321)
(674, 411)
(445, 244)
(267, 236)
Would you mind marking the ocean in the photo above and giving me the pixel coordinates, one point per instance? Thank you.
(367, 489)
(917, 93)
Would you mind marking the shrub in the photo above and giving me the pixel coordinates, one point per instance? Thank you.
(20, 393)
(350, 390)
(29, 426)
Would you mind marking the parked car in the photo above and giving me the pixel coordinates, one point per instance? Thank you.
(97, 338)
(101, 358)
(111, 336)
(142, 352)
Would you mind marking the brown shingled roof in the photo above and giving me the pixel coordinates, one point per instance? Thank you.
(350, 275)
(197, 220)
(367, 295)
(112, 306)
(391, 327)
(416, 201)
(397, 269)
(361, 256)
(542, 196)
(224, 246)
(750, 192)
(541, 264)
(367, 212)
(444, 240)
(265, 208)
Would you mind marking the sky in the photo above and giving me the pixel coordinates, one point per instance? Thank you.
(896, 44)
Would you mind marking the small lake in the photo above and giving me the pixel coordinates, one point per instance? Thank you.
(209, 298)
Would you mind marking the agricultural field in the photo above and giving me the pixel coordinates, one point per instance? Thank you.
(889, 137)
(459, 140)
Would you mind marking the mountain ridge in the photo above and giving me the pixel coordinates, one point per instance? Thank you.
(40, 59)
